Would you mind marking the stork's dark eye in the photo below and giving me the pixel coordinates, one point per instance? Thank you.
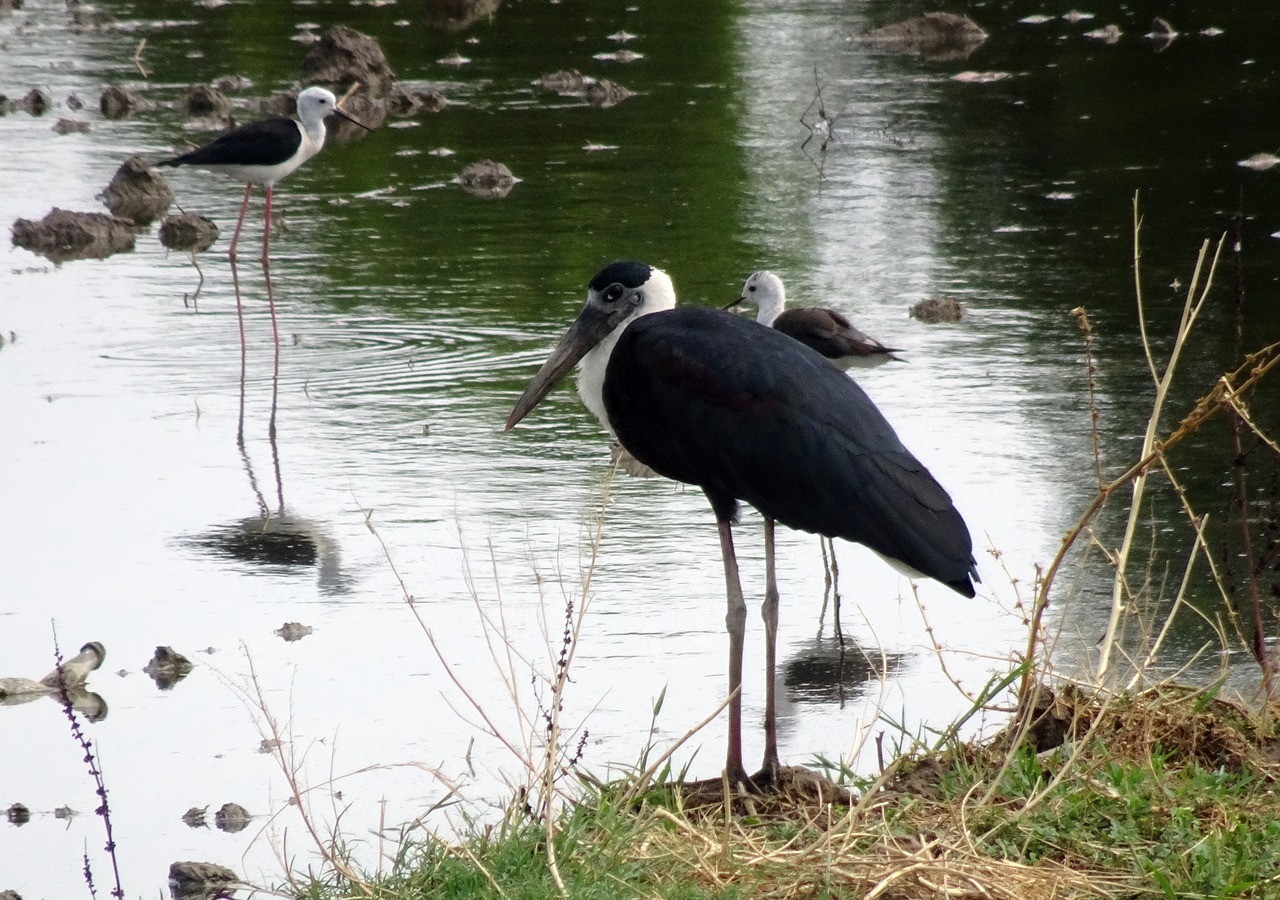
(751, 287)
(613, 293)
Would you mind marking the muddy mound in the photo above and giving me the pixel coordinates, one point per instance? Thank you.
(188, 231)
(64, 235)
(455, 15)
(36, 102)
(572, 83)
(116, 103)
(206, 102)
(487, 179)
(136, 192)
(344, 55)
(937, 36)
(937, 310)
(402, 102)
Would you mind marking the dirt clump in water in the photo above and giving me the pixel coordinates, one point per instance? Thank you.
(206, 102)
(63, 235)
(116, 103)
(136, 192)
(292, 631)
(231, 818)
(936, 36)
(487, 179)
(36, 102)
(229, 84)
(402, 102)
(936, 310)
(191, 232)
(605, 93)
(167, 667)
(200, 879)
(569, 82)
(343, 55)
(455, 15)
(572, 83)
(70, 126)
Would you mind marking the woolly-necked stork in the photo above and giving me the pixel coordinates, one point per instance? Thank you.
(825, 330)
(748, 414)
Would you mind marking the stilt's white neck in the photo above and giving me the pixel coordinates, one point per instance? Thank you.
(313, 134)
(769, 314)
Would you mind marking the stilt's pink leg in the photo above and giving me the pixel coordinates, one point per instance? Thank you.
(266, 267)
(244, 207)
(266, 231)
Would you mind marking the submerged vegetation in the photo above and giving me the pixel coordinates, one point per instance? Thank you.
(1112, 782)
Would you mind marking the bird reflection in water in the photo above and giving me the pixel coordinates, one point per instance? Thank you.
(274, 539)
(65, 684)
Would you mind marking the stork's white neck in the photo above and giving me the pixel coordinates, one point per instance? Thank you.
(659, 294)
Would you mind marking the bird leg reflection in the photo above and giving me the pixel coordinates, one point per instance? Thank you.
(735, 621)
(235, 286)
(769, 612)
(275, 386)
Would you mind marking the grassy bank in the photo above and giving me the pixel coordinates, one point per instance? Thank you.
(1165, 793)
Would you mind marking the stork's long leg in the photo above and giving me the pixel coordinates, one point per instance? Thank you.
(769, 612)
(244, 208)
(735, 621)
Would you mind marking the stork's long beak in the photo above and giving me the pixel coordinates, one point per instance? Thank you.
(587, 330)
(338, 112)
(732, 303)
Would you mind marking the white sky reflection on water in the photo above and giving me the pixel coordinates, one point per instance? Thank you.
(120, 411)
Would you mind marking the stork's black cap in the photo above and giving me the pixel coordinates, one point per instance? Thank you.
(629, 273)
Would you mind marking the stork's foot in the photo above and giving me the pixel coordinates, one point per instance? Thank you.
(768, 778)
(770, 791)
(713, 790)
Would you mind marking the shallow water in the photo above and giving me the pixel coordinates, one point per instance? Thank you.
(411, 316)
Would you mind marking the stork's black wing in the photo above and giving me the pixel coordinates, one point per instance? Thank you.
(266, 143)
(745, 412)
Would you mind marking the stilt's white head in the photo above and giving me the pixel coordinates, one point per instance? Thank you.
(316, 104)
(764, 290)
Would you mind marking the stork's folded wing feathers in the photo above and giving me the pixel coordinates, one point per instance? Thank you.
(744, 412)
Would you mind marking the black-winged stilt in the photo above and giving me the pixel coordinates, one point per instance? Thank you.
(824, 330)
(266, 151)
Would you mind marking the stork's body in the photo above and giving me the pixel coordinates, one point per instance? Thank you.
(824, 330)
(747, 414)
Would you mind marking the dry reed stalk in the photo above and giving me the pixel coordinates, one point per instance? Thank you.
(1241, 380)
(1191, 309)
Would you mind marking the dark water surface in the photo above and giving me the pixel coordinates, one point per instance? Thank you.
(413, 313)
